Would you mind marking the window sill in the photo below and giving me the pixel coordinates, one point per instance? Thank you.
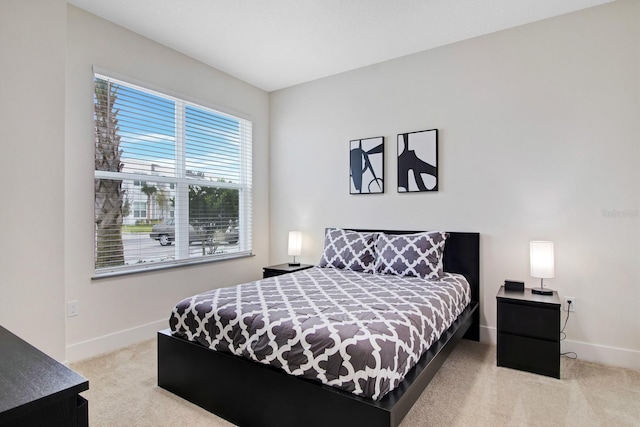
(153, 267)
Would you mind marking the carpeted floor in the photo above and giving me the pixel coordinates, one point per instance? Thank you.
(469, 390)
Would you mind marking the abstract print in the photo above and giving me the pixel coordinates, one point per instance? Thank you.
(366, 161)
(418, 161)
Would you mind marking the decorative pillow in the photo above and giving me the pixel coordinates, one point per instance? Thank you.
(417, 254)
(349, 250)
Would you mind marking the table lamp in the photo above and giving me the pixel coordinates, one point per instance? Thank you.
(541, 254)
(295, 246)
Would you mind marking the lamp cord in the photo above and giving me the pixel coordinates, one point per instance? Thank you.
(563, 335)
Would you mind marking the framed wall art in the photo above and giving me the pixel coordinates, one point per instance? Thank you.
(418, 161)
(366, 166)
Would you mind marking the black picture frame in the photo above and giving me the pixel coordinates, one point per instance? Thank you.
(418, 161)
(366, 165)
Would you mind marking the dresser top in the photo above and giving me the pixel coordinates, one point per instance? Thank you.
(30, 379)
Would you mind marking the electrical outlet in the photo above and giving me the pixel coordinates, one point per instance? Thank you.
(72, 308)
(569, 304)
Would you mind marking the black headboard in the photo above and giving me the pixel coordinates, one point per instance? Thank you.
(462, 256)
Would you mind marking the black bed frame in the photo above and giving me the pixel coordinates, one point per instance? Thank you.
(247, 393)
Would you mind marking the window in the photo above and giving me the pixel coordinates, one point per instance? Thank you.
(139, 209)
(172, 180)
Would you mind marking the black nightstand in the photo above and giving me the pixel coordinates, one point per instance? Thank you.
(276, 270)
(529, 331)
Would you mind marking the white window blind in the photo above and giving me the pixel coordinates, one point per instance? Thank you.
(172, 180)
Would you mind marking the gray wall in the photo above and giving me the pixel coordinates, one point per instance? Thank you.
(32, 48)
(538, 130)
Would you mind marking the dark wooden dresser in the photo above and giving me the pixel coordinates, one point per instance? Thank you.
(36, 390)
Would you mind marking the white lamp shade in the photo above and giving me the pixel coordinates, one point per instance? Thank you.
(295, 243)
(541, 259)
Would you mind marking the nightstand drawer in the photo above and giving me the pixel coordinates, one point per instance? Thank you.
(529, 320)
(529, 354)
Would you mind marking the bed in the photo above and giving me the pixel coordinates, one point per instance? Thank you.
(256, 394)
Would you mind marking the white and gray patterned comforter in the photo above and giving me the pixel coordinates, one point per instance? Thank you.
(359, 332)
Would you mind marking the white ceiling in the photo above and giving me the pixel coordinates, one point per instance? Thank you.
(274, 44)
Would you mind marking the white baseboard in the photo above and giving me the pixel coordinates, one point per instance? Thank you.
(114, 341)
(488, 335)
(603, 354)
(606, 355)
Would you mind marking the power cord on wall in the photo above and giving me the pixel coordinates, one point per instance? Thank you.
(563, 335)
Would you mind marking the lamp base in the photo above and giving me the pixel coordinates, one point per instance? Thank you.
(542, 291)
(294, 264)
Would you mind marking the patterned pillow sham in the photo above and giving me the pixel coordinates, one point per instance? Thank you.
(417, 254)
(349, 250)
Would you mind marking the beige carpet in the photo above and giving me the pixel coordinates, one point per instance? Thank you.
(469, 390)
